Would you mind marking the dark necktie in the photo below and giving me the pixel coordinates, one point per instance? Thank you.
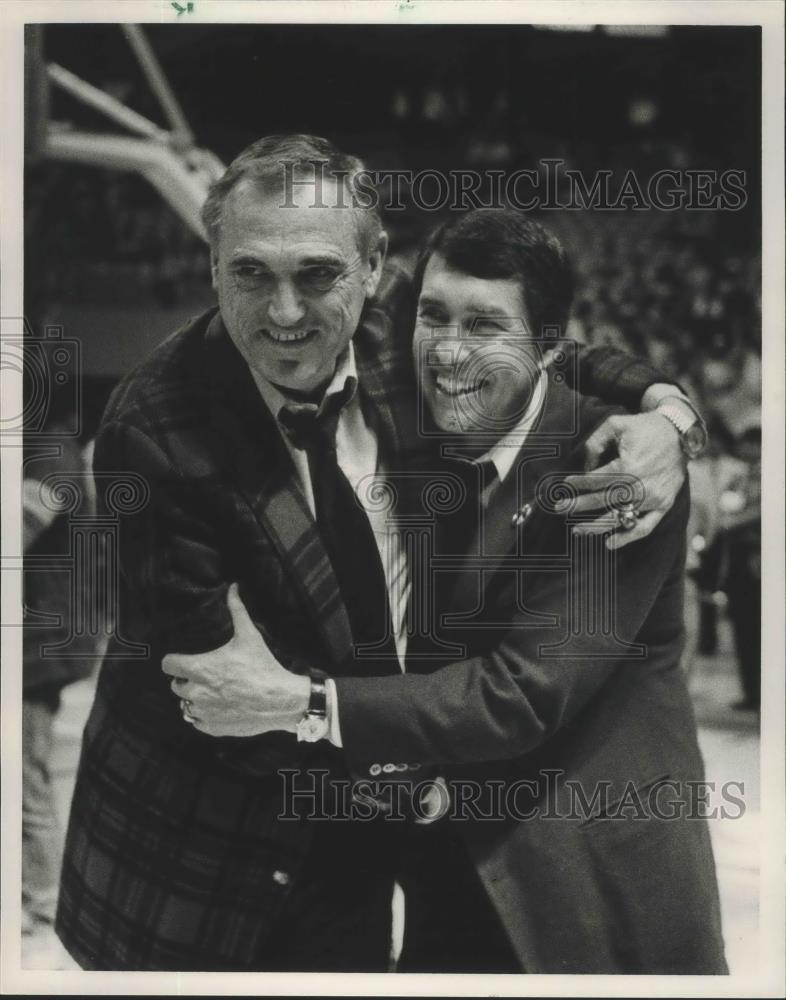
(456, 536)
(346, 533)
(461, 530)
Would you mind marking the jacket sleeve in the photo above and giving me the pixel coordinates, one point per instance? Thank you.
(501, 705)
(171, 573)
(612, 375)
(174, 570)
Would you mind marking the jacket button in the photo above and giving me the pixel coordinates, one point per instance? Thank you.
(374, 770)
(281, 878)
(388, 768)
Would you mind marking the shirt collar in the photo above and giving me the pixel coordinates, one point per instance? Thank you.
(346, 372)
(503, 453)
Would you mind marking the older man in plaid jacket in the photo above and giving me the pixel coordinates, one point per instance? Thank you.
(249, 426)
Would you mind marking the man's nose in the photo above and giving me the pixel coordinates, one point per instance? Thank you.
(445, 347)
(286, 308)
(452, 353)
(442, 355)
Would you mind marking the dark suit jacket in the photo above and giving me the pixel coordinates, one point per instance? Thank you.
(547, 684)
(174, 853)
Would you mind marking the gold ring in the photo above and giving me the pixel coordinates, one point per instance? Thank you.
(627, 516)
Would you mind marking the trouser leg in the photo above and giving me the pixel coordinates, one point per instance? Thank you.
(745, 614)
(450, 923)
(338, 916)
(41, 840)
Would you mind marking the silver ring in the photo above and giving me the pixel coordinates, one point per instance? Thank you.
(627, 516)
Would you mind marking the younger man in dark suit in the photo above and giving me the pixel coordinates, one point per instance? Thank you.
(569, 682)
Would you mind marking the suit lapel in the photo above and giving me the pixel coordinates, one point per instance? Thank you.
(548, 449)
(263, 471)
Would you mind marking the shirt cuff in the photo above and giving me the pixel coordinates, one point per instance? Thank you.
(334, 730)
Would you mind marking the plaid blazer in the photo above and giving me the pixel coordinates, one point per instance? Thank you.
(174, 856)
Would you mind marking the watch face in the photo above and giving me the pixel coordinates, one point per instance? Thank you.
(694, 440)
(312, 728)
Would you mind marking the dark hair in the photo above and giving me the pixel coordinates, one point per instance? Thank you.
(264, 160)
(497, 243)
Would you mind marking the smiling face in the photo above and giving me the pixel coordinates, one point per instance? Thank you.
(476, 360)
(292, 281)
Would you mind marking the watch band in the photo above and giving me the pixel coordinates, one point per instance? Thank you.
(314, 724)
(684, 400)
(687, 421)
(317, 702)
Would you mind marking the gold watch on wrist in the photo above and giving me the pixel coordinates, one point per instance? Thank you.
(687, 422)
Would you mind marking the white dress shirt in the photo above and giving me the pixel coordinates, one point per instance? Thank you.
(357, 453)
(503, 454)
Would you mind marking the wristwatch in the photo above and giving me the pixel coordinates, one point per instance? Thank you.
(314, 724)
(687, 422)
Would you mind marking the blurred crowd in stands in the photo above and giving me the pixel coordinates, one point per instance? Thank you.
(110, 239)
(674, 290)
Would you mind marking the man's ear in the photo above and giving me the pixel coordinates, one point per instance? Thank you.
(376, 261)
(214, 269)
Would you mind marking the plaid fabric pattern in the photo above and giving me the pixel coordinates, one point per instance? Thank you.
(175, 858)
(613, 376)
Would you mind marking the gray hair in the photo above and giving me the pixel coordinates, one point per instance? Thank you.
(267, 161)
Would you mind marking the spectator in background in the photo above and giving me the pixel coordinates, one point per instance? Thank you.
(55, 654)
(741, 522)
(713, 475)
